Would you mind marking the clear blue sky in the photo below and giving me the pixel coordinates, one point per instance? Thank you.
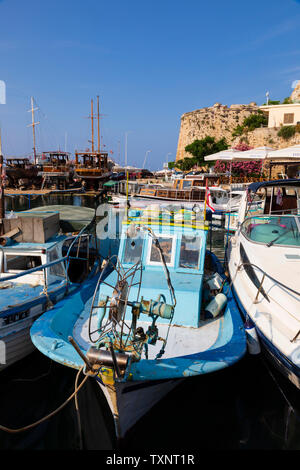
(149, 61)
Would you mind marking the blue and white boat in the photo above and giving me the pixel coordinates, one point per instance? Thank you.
(35, 275)
(157, 315)
(264, 267)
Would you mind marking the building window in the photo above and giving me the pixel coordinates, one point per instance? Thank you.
(288, 118)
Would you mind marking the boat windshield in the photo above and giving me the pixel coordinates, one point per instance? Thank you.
(133, 250)
(273, 230)
(166, 244)
(189, 252)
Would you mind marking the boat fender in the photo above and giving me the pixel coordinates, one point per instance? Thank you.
(215, 306)
(253, 344)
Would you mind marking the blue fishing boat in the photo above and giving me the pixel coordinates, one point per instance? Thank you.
(41, 261)
(158, 314)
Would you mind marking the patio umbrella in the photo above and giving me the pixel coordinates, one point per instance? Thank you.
(258, 153)
(292, 152)
(227, 155)
(289, 156)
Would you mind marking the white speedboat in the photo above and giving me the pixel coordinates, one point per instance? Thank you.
(264, 266)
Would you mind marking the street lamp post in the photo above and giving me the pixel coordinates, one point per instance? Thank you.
(167, 164)
(148, 151)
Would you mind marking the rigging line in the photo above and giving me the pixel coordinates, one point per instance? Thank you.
(78, 413)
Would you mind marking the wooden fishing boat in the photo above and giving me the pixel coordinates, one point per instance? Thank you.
(20, 172)
(57, 169)
(42, 261)
(92, 169)
(158, 314)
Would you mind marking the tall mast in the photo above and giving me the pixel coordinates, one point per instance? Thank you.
(92, 118)
(98, 117)
(33, 124)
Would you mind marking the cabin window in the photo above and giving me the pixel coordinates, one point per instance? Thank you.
(16, 263)
(56, 269)
(133, 250)
(189, 252)
(167, 246)
(186, 184)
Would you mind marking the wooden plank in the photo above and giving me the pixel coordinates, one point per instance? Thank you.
(38, 230)
(51, 226)
(27, 229)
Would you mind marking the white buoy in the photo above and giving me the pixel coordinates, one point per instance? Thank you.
(252, 338)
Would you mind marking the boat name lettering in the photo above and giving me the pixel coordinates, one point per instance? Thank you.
(16, 317)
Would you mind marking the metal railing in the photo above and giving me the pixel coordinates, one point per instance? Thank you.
(265, 274)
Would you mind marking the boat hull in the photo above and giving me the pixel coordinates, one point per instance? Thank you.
(136, 399)
(272, 354)
(15, 341)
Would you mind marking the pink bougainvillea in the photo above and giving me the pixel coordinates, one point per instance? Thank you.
(242, 147)
(249, 168)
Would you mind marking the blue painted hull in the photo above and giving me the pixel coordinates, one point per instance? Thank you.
(150, 379)
(17, 315)
(50, 335)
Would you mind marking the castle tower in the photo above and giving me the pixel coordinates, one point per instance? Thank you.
(295, 96)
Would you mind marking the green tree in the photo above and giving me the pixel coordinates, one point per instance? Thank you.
(171, 165)
(185, 164)
(207, 146)
(250, 123)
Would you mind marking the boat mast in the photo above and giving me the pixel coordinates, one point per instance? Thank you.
(33, 124)
(92, 118)
(98, 117)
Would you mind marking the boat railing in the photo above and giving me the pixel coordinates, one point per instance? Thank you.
(260, 286)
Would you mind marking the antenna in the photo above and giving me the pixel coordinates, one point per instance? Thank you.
(267, 95)
(33, 124)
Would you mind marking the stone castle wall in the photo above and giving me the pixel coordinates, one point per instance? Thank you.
(219, 121)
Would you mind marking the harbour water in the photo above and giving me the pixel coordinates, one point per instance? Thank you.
(249, 406)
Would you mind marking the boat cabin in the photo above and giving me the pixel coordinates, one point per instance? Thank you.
(55, 162)
(185, 190)
(97, 161)
(182, 238)
(18, 163)
(21, 257)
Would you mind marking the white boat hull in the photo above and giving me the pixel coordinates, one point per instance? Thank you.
(135, 399)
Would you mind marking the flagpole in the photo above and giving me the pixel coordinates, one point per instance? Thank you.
(204, 215)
